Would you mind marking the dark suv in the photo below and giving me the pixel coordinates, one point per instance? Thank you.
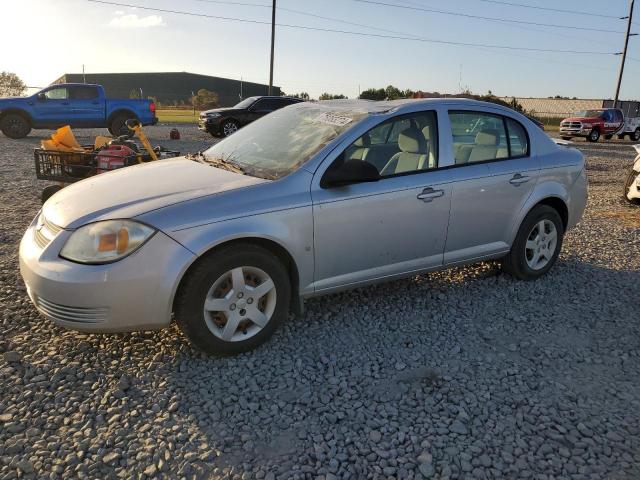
(222, 122)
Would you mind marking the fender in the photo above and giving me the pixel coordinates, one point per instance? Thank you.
(541, 192)
(19, 111)
(118, 112)
(290, 230)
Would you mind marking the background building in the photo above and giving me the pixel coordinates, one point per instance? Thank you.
(170, 88)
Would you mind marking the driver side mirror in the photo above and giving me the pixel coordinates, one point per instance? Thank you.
(42, 97)
(350, 172)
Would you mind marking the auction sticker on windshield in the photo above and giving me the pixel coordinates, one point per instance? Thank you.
(334, 119)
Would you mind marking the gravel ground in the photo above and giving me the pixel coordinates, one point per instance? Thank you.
(459, 374)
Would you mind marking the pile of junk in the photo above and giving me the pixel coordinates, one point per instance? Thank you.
(63, 160)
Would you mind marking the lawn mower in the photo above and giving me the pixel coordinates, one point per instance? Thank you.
(63, 160)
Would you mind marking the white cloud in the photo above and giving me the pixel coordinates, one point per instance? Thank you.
(134, 21)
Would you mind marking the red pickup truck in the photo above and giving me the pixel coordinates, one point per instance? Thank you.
(607, 122)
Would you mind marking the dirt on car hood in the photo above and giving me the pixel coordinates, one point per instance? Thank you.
(132, 191)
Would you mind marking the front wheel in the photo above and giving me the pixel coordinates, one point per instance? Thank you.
(594, 135)
(537, 244)
(15, 126)
(635, 136)
(229, 127)
(628, 184)
(233, 299)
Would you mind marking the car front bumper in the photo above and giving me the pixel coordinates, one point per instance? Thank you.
(575, 132)
(135, 293)
(210, 125)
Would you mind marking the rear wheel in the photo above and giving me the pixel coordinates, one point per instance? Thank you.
(635, 136)
(118, 125)
(537, 244)
(15, 126)
(631, 178)
(594, 135)
(233, 300)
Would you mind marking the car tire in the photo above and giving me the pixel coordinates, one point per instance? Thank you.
(627, 184)
(49, 191)
(218, 290)
(15, 126)
(229, 127)
(593, 136)
(532, 255)
(635, 136)
(566, 138)
(118, 126)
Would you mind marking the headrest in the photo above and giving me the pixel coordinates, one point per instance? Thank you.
(363, 141)
(411, 141)
(488, 137)
(426, 132)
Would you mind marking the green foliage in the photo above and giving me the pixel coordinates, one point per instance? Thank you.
(389, 93)
(331, 96)
(205, 99)
(301, 95)
(11, 85)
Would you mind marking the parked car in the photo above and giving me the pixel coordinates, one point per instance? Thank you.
(312, 199)
(632, 184)
(607, 122)
(78, 105)
(222, 122)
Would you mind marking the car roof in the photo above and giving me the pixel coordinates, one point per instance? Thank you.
(384, 106)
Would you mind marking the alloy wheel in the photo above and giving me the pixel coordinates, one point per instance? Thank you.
(229, 128)
(240, 304)
(541, 244)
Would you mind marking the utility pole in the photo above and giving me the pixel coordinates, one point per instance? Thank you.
(624, 52)
(273, 40)
(84, 80)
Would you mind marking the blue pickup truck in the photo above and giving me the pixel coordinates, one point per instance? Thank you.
(79, 105)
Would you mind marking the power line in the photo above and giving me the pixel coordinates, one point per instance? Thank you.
(300, 12)
(549, 9)
(491, 19)
(361, 34)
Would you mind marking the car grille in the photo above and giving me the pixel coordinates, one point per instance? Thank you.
(45, 232)
(571, 124)
(71, 314)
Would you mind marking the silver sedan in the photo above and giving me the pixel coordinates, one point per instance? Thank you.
(312, 199)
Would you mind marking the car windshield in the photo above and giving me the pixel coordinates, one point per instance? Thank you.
(246, 103)
(280, 142)
(589, 113)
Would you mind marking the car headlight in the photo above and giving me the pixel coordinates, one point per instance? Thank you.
(213, 115)
(106, 241)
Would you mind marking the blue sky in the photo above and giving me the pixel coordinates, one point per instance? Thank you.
(64, 34)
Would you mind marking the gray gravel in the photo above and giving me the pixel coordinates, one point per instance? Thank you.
(460, 374)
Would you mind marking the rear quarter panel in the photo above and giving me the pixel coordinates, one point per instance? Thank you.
(141, 108)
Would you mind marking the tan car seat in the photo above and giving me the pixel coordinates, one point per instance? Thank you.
(412, 156)
(359, 149)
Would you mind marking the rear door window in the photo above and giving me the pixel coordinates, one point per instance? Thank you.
(83, 93)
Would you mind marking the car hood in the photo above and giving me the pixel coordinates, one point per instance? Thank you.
(217, 110)
(582, 119)
(132, 191)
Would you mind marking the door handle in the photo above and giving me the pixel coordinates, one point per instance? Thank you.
(519, 179)
(428, 194)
